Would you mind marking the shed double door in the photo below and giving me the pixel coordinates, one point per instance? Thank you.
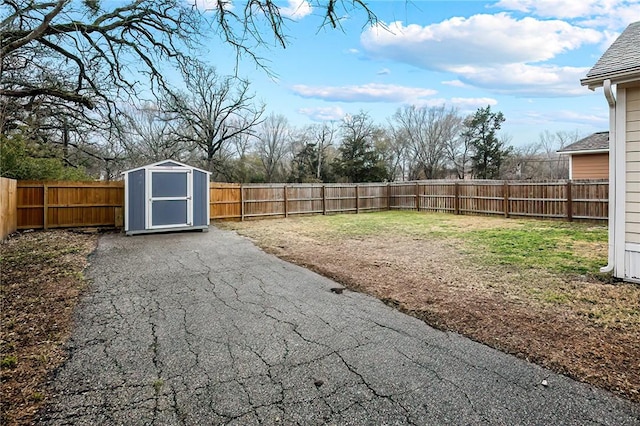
(169, 198)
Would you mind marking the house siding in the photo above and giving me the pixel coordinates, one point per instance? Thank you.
(590, 166)
(632, 125)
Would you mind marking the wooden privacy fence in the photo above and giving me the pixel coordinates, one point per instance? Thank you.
(8, 207)
(69, 204)
(577, 200)
(75, 204)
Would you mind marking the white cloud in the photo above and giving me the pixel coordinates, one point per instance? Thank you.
(497, 52)
(296, 10)
(610, 14)
(562, 116)
(464, 104)
(557, 9)
(384, 71)
(453, 83)
(323, 113)
(480, 40)
(526, 80)
(353, 51)
(371, 92)
(473, 102)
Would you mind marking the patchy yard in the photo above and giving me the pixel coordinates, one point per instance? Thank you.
(530, 287)
(41, 279)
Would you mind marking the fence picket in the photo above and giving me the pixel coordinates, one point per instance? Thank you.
(71, 204)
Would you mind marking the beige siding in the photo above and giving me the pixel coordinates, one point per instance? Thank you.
(633, 166)
(590, 166)
(633, 197)
(633, 230)
(633, 93)
(632, 177)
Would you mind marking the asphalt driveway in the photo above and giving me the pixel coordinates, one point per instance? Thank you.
(205, 328)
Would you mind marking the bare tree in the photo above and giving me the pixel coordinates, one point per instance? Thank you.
(273, 140)
(85, 59)
(213, 110)
(459, 150)
(85, 51)
(540, 159)
(150, 136)
(323, 136)
(429, 131)
(75, 50)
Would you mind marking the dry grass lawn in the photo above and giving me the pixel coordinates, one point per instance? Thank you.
(41, 280)
(526, 287)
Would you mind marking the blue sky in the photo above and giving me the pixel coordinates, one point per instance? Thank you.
(522, 57)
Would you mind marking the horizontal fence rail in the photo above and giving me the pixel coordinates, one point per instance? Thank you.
(76, 204)
(62, 204)
(568, 200)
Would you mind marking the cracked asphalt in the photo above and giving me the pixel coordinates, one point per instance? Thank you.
(205, 328)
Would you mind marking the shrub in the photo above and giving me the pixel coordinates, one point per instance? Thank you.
(17, 161)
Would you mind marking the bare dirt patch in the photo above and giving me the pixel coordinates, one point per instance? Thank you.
(577, 325)
(41, 280)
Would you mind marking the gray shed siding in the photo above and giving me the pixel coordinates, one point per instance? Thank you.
(169, 164)
(136, 202)
(200, 197)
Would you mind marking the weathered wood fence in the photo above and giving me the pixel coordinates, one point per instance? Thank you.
(577, 200)
(8, 207)
(74, 204)
(62, 204)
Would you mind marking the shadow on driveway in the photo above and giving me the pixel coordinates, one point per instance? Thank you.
(205, 328)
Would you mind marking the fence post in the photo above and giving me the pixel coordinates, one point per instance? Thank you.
(45, 206)
(241, 203)
(388, 196)
(505, 192)
(357, 201)
(456, 198)
(417, 196)
(569, 202)
(324, 199)
(286, 207)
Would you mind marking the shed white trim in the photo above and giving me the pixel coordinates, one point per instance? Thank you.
(158, 165)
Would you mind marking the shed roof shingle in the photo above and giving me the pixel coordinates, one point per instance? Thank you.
(622, 58)
(596, 141)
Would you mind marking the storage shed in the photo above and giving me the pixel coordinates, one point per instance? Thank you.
(165, 196)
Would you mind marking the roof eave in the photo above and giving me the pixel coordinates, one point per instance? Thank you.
(584, 151)
(616, 78)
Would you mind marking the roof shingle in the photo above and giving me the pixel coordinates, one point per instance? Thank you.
(596, 141)
(621, 58)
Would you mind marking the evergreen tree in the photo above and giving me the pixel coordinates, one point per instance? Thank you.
(488, 151)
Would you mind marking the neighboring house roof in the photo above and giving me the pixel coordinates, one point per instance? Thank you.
(620, 63)
(597, 142)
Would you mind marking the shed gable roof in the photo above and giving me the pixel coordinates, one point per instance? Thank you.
(596, 142)
(621, 61)
(166, 163)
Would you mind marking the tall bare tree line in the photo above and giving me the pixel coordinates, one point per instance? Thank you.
(73, 76)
